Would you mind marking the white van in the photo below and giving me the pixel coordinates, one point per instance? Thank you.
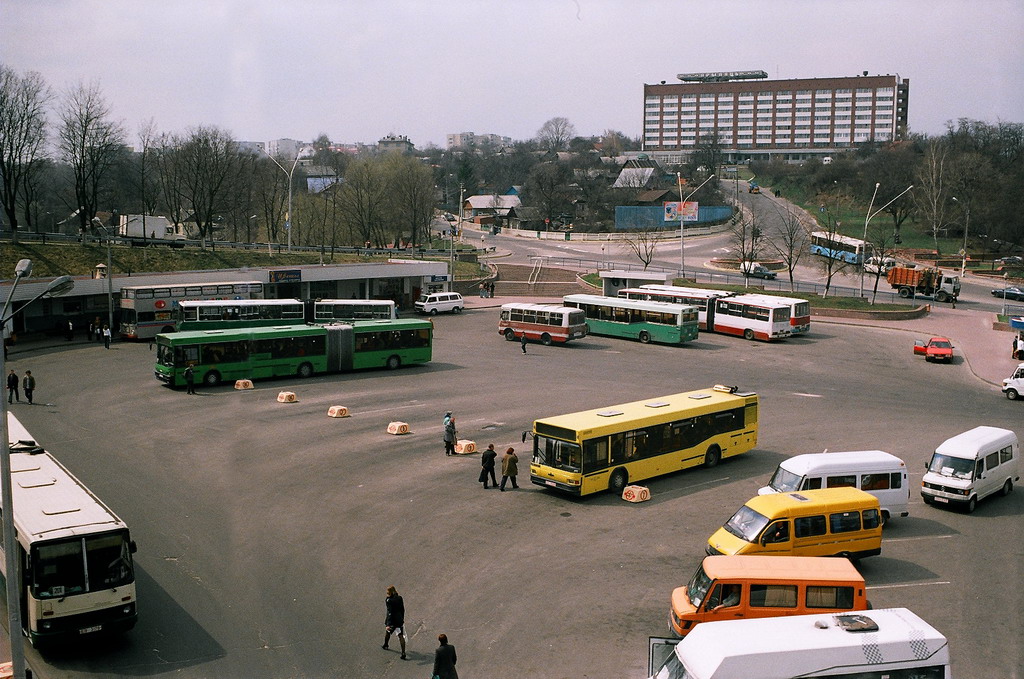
(879, 264)
(440, 301)
(875, 471)
(971, 466)
(1013, 386)
(891, 642)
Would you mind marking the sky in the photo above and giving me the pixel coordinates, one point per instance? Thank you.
(357, 70)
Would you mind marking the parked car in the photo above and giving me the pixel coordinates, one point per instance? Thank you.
(935, 349)
(1013, 292)
(1011, 261)
(879, 264)
(755, 270)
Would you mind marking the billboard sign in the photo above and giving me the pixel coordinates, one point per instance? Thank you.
(674, 210)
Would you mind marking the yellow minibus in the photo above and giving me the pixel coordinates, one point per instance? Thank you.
(828, 522)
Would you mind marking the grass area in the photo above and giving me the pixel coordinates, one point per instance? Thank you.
(80, 259)
(850, 303)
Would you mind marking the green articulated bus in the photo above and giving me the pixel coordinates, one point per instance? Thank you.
(255, 353)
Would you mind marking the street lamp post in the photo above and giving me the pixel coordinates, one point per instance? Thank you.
(110, 276)
(288, 173)
(682, 238)
(967, 223)
(451, 233)
(868, 216)
(56, 287)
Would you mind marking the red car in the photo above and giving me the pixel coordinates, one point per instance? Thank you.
(935, 349)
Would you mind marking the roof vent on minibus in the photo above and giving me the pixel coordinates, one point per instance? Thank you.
(725, 389)
(609, 413)
(856, 623)
(656, 404)
(799, 497)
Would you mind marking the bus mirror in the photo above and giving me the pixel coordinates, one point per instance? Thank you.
(525, 434)
(132, 547)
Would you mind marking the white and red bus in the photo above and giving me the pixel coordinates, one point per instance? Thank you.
(148, 310)
(799, 314)
(752, 316)
(698, 297)
(545, 323)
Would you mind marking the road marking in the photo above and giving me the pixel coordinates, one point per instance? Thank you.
(797, 393)
(385, 410)
(724, 478)
(922, 537)
(910, 584)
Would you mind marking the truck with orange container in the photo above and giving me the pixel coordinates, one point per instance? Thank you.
(930, 282)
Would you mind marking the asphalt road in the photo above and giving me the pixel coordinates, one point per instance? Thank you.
(269, 532)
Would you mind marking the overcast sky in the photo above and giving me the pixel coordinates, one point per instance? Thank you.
(357, 70)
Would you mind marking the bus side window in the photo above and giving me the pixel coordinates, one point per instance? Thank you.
(618, 448)
(776, 532)
(849, 480)
(812, 484)
(595, 454)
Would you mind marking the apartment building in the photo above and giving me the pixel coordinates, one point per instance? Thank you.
(754, 118)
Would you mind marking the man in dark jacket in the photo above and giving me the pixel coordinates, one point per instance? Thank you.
(445, 659)
(394, 620)
(487, 466)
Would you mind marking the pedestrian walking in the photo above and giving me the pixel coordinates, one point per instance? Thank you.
(450, 434)
(445, 659)
(509, 468)
(71, 331)
(12, 387)
(522, 341)
(394, 619)
(98, 329)
(190, 379)
(487, 466)
(490, 289)
(28, 383)
(483, 290)
(106, 337)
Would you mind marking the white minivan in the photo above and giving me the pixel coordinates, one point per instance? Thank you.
(971, 466)
(874, 471)
(440, 301)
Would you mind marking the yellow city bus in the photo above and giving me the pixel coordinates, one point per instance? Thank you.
(606, 448)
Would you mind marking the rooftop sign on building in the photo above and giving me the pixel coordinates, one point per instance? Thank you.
(722, 76)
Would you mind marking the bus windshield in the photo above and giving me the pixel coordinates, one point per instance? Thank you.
(746, 524)
(785, 481)
(673, 669)
(699, 585)
(555, 453)
(59, 569)
(957, 467)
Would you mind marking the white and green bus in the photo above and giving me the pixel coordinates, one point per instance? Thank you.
(641, 320)
(75, 571)
(303, 350)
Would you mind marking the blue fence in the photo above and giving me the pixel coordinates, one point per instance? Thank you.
(653, 217)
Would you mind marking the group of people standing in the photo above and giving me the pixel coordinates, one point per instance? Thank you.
(99, 330)
(488, 460)
(487, 289)
(394, 623)
(28, 384)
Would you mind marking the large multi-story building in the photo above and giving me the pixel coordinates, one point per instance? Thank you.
(758, 119)
(469, 140)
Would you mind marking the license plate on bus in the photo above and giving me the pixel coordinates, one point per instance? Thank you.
(941, 499)
(550, 483)
(90, 630)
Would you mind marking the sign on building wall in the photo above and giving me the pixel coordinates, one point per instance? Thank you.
(688, 211)
(286, 276)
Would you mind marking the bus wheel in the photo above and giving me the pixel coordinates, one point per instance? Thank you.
(904, 292)
(1007, 488)
(1012, 394)
(942, 297)
(618, 480)
(972, 504)
(545, 339)
(457, 310)
(393, 362)
(305, 370)
(712, 457)
(510, 334)
(433, 312)
(645, 337)
(885, 518)
(748, 334)
(211, 379)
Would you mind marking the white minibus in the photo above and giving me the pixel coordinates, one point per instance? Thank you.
(971, 466)
(875, 471)
(877, 644)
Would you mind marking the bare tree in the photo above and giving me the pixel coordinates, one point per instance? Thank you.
(555, 134)
(790, 243)
(210, 164)
(547, 189)
(170, 173)
(363, 201)
(830, 266)
(144, 164)
(412, 193)
(883, 244)
(23, 100)
(745, 235)
(91, 143)
(933, 198)
(642, 244)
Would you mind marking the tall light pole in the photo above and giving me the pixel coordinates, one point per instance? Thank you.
(682, 240)
(451, 232)
(967, 223)
(110, 276)
(288, 173)
(868, 216)
(56, 287)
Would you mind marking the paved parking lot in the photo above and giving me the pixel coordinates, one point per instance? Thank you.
(268, 532)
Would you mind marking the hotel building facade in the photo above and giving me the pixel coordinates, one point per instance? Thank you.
(758, 119)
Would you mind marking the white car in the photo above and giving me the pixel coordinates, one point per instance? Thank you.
(440, 301)
(879, 264)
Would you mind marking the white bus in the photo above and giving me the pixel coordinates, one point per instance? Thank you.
(545, 323)
(708, 302)
(148, 310)
(889, 643)
(838, 246)
(215, 314)
(753, 316)
(675, 294)
(348, 310)
(76, 575)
